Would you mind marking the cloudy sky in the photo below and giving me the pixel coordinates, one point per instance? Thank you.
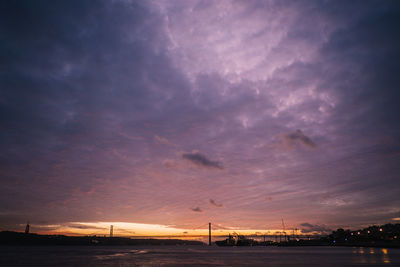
(172, 114)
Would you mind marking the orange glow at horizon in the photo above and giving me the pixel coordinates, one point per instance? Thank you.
(124, 229)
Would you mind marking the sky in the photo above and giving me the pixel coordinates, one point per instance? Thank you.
(161, 116)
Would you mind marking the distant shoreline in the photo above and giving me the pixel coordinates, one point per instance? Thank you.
(18, 238)
(31, 239)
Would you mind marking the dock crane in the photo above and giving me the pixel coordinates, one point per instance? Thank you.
(283, 227)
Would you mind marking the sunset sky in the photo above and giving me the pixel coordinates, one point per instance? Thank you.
(161, 116)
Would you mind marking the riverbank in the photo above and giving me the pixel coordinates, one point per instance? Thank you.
(17, 238)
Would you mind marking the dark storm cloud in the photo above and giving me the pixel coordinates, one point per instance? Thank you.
(309, 228)
(197, 209)
(201, 160)
(369, 97)
(212, 202)
(66, 71)
(76, 75)
(54, 78)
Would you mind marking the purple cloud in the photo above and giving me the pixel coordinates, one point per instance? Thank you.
(201, 160)
(96, 100)
(310, 228)
(299, 137)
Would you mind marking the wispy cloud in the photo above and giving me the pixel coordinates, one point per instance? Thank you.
(85, 226)
(196, 209)
(212, 202)
(310, 228)
(162, 140)
(169, 163)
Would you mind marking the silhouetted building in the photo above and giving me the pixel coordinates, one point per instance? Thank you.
(27, 228)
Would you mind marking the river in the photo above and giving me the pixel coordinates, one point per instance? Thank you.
(196, 256)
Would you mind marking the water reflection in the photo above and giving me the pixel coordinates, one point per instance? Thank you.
(364, 259)
(197, 255)
(371, 255)
(385, 256)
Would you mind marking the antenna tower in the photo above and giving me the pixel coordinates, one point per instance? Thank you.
(283, 226)
(27, 228)
(209, 234)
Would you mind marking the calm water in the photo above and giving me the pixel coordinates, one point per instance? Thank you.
(197, 255)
